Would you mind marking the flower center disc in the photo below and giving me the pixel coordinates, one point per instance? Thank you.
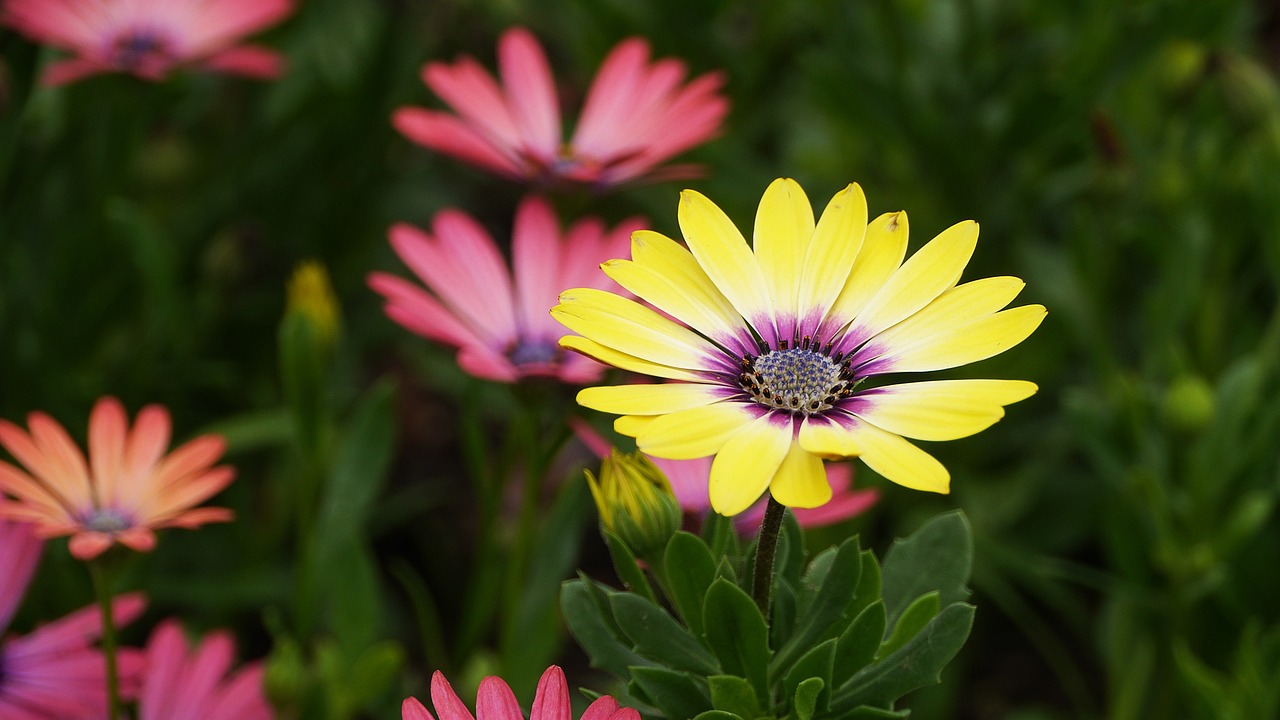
(107, 521)
(796, 380)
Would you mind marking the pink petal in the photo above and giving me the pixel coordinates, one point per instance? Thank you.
(471, 91)
(609, 100)
(89, 544)
(446, 701)
(483, 363)
(70, 70)
(248, 60)
(551, 701)
(417, 310)
(531, 91)
(162, 690)
(411, 709)
(209, 26)
(451, 136)
(495, 701)
(536, 257)
(65, 23)
(19, 554)
(602, 709)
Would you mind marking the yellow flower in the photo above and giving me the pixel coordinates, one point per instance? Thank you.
(775, 349)
(636, 502)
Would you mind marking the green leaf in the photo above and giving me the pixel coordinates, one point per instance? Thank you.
(830, 601)
(858, 644)
(814, 576)
(914, 665)
(805, 699)
(629, 571)
(362, 462)
(867, 712)
(721, 536)
(938, 556)
(789, 561)
(735, 695)
(657, 636)
(675, 694)
(912, 621)
(783, 612)
(868, 590)
(725, 570)
(718, 715)
(737, 633)
(688, 569)
(818, 663)
(607, 649)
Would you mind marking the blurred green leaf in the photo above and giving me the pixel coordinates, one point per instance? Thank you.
(937, 556)
(656, 635)
(688, 569)
(676, 694)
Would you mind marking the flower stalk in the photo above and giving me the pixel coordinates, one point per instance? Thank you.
(103, 587)
(766, 550)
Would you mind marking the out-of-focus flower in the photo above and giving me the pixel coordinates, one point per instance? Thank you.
(311, 296)
(182, 684)
(495, 701)
(688, 480)
(635, 502)
(637, 115)
(771, 346)
(55, 672)
(498, 322)
(128, 488)
(149, 38)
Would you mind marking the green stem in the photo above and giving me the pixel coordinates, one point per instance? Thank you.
(766, 549)
(102, 586)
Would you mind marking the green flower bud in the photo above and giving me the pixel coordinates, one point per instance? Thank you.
(286, 678)
(311, 296)
(636, 502)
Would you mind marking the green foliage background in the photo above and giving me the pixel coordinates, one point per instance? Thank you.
(1123, 158)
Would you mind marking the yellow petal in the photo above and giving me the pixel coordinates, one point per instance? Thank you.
(609, 356)
(701, 306)
(746, 464)
(978, 340)
(958, 306)
(784, 227)
(899, 461)
(883, 247)
(724, 256)
(631, 328)
(649, 399)
(801, 480)
(632, 425)
(671, 260)
(941, 409)
(924, 276)
(693, 433)
(831, 254)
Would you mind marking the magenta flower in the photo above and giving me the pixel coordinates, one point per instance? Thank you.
(149, 38)
(637, 115)
(195, 684)
(55, 673)
(495, 701)
(689, 481)
(499, 323)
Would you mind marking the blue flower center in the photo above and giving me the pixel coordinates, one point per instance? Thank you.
(108, 521)
(797, 380)
(533, 353)
(133, 49)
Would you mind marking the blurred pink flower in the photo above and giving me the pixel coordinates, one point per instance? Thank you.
(195, 685)
(637, 115)
(495, 701)
(128, 489)
(149, 38)
(501, 325)
(55, 673)
(689, 480)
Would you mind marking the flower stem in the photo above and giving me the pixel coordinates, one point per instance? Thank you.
(102, 587)
(766, 548)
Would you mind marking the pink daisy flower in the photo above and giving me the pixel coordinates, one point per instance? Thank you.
(689, 481)
(498, 318)
(184, 683)
(55, 673)
(637, 115)
(149, 38)
(125, 491)
(495, 701)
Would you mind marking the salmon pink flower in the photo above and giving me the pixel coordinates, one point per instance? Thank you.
(54, 672)
(495, 701)
(689, 481)
(149, 38)
(637, 115)
(472, 301)
(128, 488)
(195, 685)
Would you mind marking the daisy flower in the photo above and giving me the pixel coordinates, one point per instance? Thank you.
(637, 115)
(778, 352)
(688, 479)
(54, 672)
(149, 38)
(495, 701)
(183, 684)
(498, 322)
(128, 489)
